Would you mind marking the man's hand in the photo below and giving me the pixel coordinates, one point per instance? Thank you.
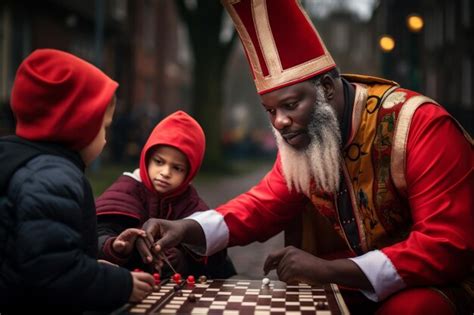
(294, 265)
(142, 286)
(168, 233)
(125, 241)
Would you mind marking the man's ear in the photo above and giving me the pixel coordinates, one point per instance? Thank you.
(329, 86)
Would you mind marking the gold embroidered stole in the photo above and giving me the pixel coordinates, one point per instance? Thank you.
(373, 165)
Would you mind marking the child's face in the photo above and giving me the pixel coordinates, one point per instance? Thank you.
(93, 149)
(167, 168)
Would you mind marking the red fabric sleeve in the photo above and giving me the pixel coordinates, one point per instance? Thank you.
(263, 211)
(440, 182)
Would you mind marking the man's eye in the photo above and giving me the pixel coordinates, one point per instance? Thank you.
(291, 105)
(271, 111)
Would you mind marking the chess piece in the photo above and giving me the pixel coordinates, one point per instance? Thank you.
(203, 279)
(177, 278)
(191, 298)
(156, 276)
(190, 280)
(265, 282)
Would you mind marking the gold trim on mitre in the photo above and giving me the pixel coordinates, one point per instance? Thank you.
(400, 140)
(277, 76)
(265, 37)
(245, 38)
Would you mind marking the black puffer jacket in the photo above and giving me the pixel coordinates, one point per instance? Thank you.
(48, 234)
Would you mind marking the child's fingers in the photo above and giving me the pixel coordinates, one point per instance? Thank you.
(130, 235)
(118, 245)
(146, 278)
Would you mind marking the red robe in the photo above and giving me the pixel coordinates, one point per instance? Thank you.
(439, 184)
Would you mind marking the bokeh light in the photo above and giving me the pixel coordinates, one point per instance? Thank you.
(387, 43)
(415, 23)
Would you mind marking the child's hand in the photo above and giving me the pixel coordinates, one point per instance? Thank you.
(142, 286)
(125, 242)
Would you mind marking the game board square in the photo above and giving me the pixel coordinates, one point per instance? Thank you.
(244, 283)
(277, 304)
(292, 307)
(199, 310)
(168, 311)
(221, 297)
(250, 298)
(263, 307)
(278, 295)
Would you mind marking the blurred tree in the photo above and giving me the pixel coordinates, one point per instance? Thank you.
(205, 21)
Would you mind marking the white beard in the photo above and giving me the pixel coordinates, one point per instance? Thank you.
(321, 160)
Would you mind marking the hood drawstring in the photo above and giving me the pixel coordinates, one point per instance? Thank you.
(161, 210)
(170, 209)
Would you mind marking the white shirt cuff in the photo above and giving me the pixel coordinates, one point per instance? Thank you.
(381, 273)
(215, 230)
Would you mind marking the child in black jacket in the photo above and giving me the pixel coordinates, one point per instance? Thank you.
(48, 234)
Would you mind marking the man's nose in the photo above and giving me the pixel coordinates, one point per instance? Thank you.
(281, 120)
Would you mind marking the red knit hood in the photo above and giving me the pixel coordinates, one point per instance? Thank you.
(181, 131)
(58, 97)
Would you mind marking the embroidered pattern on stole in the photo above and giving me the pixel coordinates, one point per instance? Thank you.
(382, 216)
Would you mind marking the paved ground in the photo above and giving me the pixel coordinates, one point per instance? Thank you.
(249, 259)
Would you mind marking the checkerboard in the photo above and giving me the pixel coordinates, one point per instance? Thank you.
(240, 297)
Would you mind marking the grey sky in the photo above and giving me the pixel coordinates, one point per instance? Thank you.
(363, 8)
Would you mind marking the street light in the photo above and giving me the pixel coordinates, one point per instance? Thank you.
(386, 43)
(415, 23)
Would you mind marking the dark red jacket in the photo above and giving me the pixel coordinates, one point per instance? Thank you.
(128, 196)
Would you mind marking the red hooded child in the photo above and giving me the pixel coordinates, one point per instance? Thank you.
(131, 200)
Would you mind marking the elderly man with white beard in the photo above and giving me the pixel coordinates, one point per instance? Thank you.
(388, 168)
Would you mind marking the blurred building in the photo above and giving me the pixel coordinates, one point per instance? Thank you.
(436, 59)
(160, 69)
(140, 43)
(246, 128)
(74, 26)
(350, 40)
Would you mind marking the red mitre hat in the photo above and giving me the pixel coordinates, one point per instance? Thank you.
(282, 45)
